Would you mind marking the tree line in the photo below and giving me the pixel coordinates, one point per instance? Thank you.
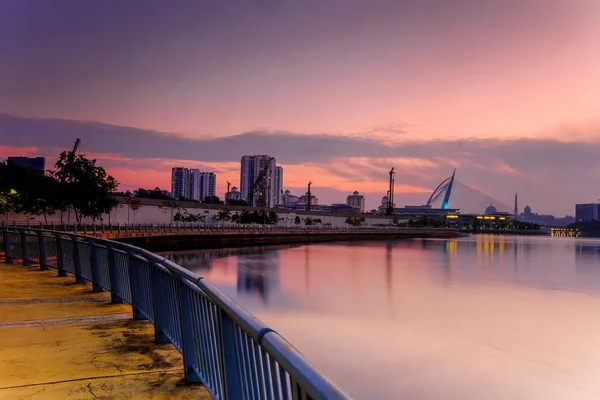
(159, 194)
(77, 184)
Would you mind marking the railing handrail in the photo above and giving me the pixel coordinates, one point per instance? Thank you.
(219, 227)
(228, 358)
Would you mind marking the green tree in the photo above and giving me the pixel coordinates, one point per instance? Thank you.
(155, 193)
(133, 205)
(232, 202)
(86, 188)
(169, 206)
(297, 220)
(27, 191)
(223, 215)
(272, 218)
(212, 200)
(355, 221)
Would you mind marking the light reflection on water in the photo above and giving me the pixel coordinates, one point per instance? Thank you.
(484, 317)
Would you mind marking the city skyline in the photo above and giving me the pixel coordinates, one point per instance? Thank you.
(506, 92)
(192, 184)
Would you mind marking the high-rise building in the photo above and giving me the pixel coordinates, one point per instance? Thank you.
(278, 186)
(37, 163)
(195, 184)
(356, 201)
(208, 184)
(587, 212)
(258, 182)
(180, 183)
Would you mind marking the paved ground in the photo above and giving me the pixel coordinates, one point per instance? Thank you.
(58, 340)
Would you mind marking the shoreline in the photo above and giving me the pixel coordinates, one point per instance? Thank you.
(190, 241)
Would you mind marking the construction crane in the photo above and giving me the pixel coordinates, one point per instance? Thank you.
(76, 146)
(228, 186)
(309, 199)
(261, 183)
(390, 208)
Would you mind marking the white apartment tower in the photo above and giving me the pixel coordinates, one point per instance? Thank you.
(278, 186)
(208, 184)
(261, 181)
(180, 183)
(194, 181)
(192, 184)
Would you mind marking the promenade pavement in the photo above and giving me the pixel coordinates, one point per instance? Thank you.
(59, 340)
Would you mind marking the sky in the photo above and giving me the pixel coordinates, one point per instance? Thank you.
(338, 91)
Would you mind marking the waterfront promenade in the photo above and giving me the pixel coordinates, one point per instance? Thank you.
(62, 341)
(224, 347)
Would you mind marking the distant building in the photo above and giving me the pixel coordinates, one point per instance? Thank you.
(208, 184)
(298, 202)
(180, 183)
(194, 182)
(382, 209)
(259, 181)
(234, 194)
(314, 200)
(37, 163)
(356, 201)
(289, 198)
(587, 212)
(543, 219)
(491, 210)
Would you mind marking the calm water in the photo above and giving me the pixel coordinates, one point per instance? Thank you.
(475, 318)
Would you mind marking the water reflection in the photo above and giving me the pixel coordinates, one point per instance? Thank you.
(258, 273)
(481, 317)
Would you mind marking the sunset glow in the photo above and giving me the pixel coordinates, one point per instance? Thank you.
(359, 80)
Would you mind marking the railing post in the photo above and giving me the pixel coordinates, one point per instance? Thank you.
(94, 266)
(112, 273)
(135, 285)
(7, 247)
(60, 264)
(187, 333)
(42, 250)
(77, 261)
(25, 250)
(231, 375)
(158, 300)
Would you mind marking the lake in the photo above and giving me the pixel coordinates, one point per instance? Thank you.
(481, 317)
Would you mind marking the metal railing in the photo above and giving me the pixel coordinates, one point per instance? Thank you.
(202, 228)
(224, 347)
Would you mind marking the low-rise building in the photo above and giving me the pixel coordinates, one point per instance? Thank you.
(356, 201)
(233, 194)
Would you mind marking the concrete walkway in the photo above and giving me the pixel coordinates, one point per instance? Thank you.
(58, 340)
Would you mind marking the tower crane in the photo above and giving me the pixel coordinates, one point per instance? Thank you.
(260, 181)
(76, 146)
(390, 208)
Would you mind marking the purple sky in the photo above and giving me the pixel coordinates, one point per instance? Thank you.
(338, 91)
